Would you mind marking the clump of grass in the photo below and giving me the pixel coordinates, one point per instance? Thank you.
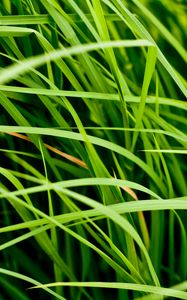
(93, 147)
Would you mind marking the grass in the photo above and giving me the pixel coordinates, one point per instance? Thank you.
(93, 149)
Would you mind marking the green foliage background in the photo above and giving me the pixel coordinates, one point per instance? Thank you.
(93, 192)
